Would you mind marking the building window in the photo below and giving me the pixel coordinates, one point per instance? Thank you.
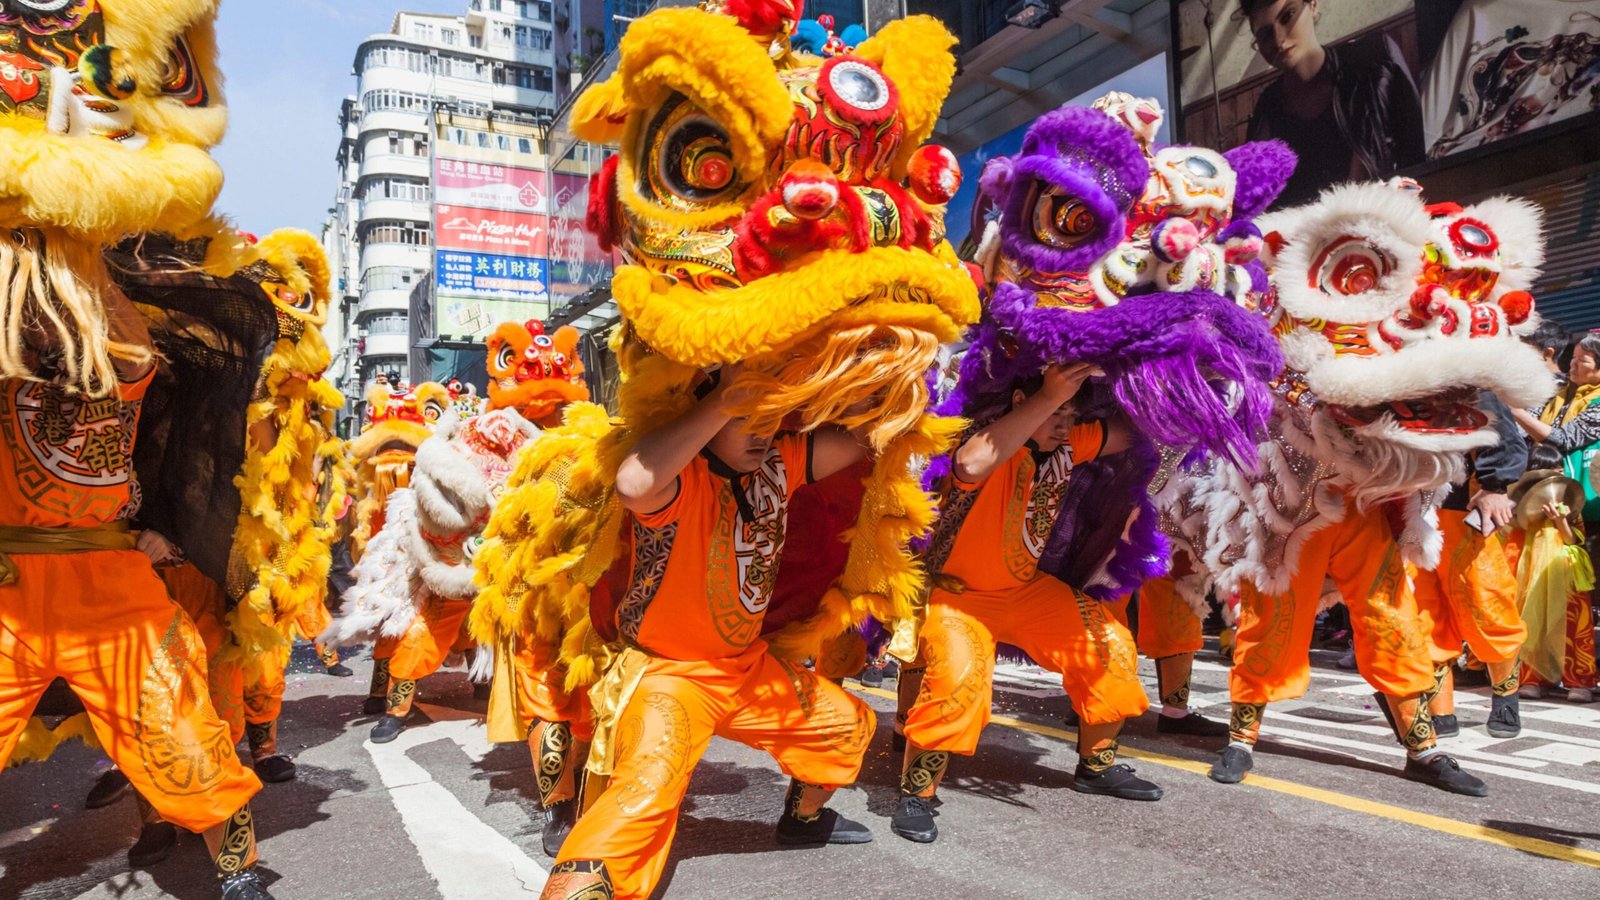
(385, 100)
(533, 38)
(524, 145)
(540, 9)
(388, 323)
(388, 278)
(422, 31)
(413, 234)
(391, 188)
(450, 36)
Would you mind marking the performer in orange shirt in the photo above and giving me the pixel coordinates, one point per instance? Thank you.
(709, 504)
(70, 572)
(1005, 486)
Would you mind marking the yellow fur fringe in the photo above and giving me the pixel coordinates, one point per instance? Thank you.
(769, 314)
(39, 741)
(284, 533)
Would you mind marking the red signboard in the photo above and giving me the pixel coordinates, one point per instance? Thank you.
(491, 231)
(490, 186)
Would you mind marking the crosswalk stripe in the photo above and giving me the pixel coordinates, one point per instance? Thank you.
(1432, 822)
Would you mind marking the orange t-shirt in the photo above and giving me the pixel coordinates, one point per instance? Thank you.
(1012, 512)
(702, 575)
(68, 460)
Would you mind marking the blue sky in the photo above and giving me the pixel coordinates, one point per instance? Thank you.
(285, 66)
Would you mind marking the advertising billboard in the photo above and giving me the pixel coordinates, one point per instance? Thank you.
(491, 238)
(500, 232)
(490, 186)
(1361, 91)
(576, 261)
(486, 276)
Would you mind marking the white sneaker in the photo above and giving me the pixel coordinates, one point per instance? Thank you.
(1531, 692)
(1580, 695)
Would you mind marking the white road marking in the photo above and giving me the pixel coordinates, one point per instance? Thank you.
(1476, 767)
(467, 859)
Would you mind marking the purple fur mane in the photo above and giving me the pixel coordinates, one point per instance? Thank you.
(1188, 369)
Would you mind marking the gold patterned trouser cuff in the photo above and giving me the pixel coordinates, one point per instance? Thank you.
(1099, 759)
(238, 843)
(554, 745)
(1506, 686)
(1244, 723)
(922, 773)
(579, 879)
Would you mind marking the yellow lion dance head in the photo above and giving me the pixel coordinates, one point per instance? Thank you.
(778, 211)
(107, 111)
(781, 210)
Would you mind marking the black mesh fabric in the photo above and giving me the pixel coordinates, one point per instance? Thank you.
(212, 336)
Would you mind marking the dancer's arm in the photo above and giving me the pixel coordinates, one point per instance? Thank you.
(985, 451)
(647, 480)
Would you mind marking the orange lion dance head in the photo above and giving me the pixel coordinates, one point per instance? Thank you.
(535, 373)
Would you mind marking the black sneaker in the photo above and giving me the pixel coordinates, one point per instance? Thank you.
(111, 787)
(1117, 781)
(1446, 725)
(340, 670)
(276, 769)
(1505, 717)
(374, 706)
(244, 885)
(914, 820)
(827, 828)
(898, 742)
(387, 729)
(891, 669)
(558, 822)
(156, 840)
(1194, 725)
(871, 676)
(1443, 772)
(1231, 765)
(1070, 718)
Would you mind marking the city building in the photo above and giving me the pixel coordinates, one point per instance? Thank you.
(475, 89)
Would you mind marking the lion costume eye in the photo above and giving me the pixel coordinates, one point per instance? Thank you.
(432, 410)
(1060, 220)
(504, 358)
(688, 157)
(1350, 266)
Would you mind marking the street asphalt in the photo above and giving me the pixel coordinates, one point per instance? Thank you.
(441, 814)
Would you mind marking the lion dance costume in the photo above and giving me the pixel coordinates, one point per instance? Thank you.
(108, 109)
(1105, 249)
(395, 425)
(414, 584)
(778, 211)
(1392, 315)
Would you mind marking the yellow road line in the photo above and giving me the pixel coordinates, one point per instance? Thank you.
(1443, 824)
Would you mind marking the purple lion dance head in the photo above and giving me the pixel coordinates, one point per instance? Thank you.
(1140, 259)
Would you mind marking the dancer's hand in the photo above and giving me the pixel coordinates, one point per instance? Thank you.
(155, 545)
(1496, 509)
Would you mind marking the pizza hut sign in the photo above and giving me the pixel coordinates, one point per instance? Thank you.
(491, 231)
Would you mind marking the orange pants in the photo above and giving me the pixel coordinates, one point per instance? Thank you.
(1471, 597)
(1167, 623)
(103, 622)
(1062, 630)
(817, 732)
(436, 632)
(1271, 657)
(541, 693)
